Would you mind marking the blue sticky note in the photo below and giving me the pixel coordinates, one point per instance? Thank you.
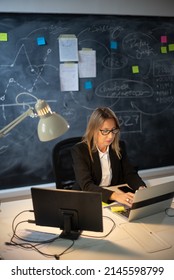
(41, 41)
(114, 45)
(88, 85)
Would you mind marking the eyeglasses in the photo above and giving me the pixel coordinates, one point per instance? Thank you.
(107, 131)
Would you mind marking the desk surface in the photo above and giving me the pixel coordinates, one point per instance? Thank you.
(117, 245)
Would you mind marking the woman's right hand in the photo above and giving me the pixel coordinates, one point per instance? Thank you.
(124, 198)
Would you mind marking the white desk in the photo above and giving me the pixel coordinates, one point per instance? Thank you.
(118, 245)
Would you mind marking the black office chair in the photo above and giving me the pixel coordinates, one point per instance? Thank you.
(62, 163)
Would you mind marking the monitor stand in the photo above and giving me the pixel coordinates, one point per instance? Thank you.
(70, 220)
(72, 235)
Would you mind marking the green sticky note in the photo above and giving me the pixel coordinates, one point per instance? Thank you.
(163, 49)
(171, 47)
(3, 37)
(135, 69)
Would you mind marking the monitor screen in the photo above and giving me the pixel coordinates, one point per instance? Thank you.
(70, 210)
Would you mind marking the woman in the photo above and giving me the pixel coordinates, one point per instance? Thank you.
(100, 160)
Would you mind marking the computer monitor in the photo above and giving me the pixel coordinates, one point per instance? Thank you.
(70, 210)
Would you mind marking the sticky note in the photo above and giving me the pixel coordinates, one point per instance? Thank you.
(3, 37)
(41, 41)
(117, 208)
(104, 204)
(88, 85)
(171, 47)
(163, 39)
(163, 49)
(135, 69)
(114, 45)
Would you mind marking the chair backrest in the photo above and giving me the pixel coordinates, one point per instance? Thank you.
(62, 163)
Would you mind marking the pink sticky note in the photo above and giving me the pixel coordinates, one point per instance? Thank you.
(163, 39)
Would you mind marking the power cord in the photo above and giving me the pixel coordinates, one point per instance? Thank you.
(169, 212)
(103, 236)
(32, 244)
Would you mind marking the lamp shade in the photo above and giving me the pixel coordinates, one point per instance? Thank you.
(51, 125)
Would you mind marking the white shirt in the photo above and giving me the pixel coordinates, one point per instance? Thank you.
(106, 168)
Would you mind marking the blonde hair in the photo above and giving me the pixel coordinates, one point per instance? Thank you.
(96, 120)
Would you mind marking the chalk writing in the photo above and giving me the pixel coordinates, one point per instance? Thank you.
(133, 77)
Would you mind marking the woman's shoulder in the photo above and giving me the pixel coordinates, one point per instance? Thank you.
(80, 146)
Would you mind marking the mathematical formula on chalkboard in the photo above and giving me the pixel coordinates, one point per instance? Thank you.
(133, 75)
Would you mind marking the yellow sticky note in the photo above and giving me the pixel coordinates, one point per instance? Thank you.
(163, 49)
(3, 37)
(135, 69)
(104, 204)
(117, 208)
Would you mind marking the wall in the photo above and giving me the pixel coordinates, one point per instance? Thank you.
(123, 7)
(149, 8)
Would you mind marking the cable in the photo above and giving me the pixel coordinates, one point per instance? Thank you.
(27, 244)
(33, 244)
(59, 255)
(103, 236)
(168, 210)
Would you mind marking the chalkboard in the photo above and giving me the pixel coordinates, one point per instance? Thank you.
(134, 77)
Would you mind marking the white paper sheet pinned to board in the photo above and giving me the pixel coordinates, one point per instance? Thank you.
(68, 49)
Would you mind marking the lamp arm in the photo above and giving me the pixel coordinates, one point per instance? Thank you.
(10, 126)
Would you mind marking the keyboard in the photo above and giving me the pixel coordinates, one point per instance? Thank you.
(125, 213)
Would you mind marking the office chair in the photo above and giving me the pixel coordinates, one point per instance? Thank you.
(62, 163)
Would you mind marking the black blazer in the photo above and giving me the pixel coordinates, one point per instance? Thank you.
(88, 173)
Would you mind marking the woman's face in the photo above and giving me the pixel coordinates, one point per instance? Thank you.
(105, 135)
